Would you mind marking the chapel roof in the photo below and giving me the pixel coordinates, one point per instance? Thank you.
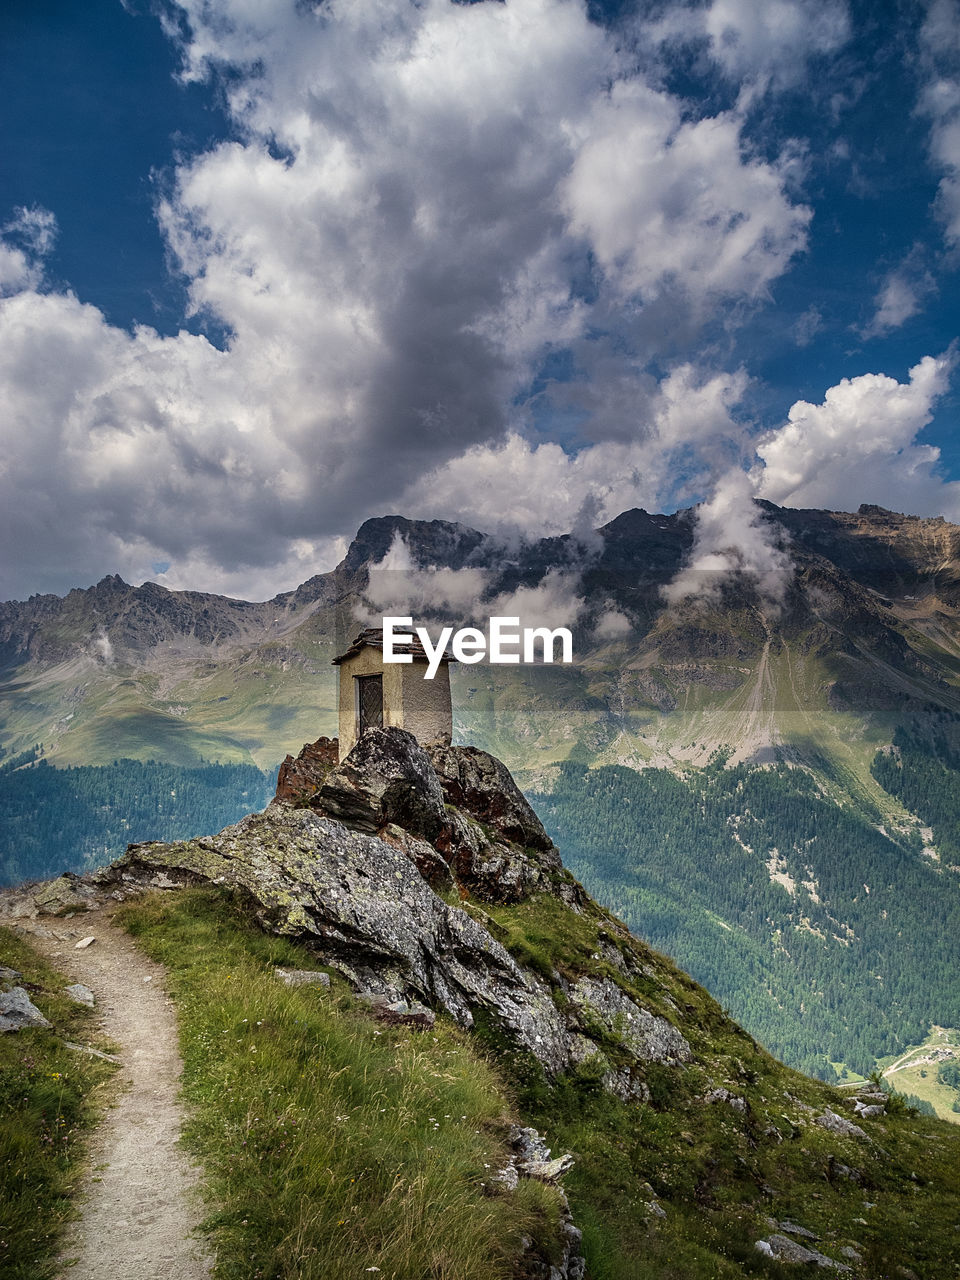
(372, 637)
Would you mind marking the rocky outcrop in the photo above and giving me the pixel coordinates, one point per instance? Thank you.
(783, 1249)
(456, 812)
(531, 1159)
(366, 909)
(480, 785)
(644, 1036)
(373, 875)
(301, 778)
(69, 892)
(839, 1124)
(386, 778)
(496, 870)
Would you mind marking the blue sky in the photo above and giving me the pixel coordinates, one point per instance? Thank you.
(92, 119)
(268, 269)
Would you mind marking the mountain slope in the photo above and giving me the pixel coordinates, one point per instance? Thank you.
(867, 627)
(695, 1153)
(848, 686)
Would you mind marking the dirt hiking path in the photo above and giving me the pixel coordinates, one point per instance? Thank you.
(140, 1204)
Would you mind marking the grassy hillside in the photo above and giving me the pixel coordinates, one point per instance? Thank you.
(50, 1096)
(829, 940)
(332, 1145)
(330, 1141)
(247, 707)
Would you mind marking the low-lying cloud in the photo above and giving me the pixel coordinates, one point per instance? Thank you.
(860, 445)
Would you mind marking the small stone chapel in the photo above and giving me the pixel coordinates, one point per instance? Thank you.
(378, 694)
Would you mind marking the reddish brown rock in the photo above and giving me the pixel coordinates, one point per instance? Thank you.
(481, 785)
(302, 778)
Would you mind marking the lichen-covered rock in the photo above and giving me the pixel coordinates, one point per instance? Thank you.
(531, 1159)
(400, 1013)
(794, 1229)
(68, 892)
(387, 785)
(783, 1249)
(301, 778)
(839, 1124)
(18, 1011)
(387, 777)
(836, 1169)
(82, 994)
(532, 1156)
(646, 1036)
(482, 786)
(8, 977)
(429, 862)
(869, 1109)
(366, 909)
(302, 977)
(734, 1100)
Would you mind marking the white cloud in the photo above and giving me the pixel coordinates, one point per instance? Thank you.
(731, 537)
(425, 201)
(901, 296)
(555, 601)
(860, 445)
(397, 584)
(686, 427)
(25, 240)
(808, 325)
(732, 228)
(774, 38)
(766, 44)
(896, 302)
(940, 101)
(612, 625)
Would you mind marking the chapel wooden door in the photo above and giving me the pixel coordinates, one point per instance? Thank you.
(370, 698)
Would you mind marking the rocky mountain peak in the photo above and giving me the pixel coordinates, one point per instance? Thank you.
(431, 542)
(389, 865)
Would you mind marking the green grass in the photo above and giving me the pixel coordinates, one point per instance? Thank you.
(49, 1098)
(717, 1175)
(330, 1143)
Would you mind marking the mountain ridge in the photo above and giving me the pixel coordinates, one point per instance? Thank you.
(861, 656)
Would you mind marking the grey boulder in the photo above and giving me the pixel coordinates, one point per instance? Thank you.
(81, 994)
(387, 777)
(17, 1011)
